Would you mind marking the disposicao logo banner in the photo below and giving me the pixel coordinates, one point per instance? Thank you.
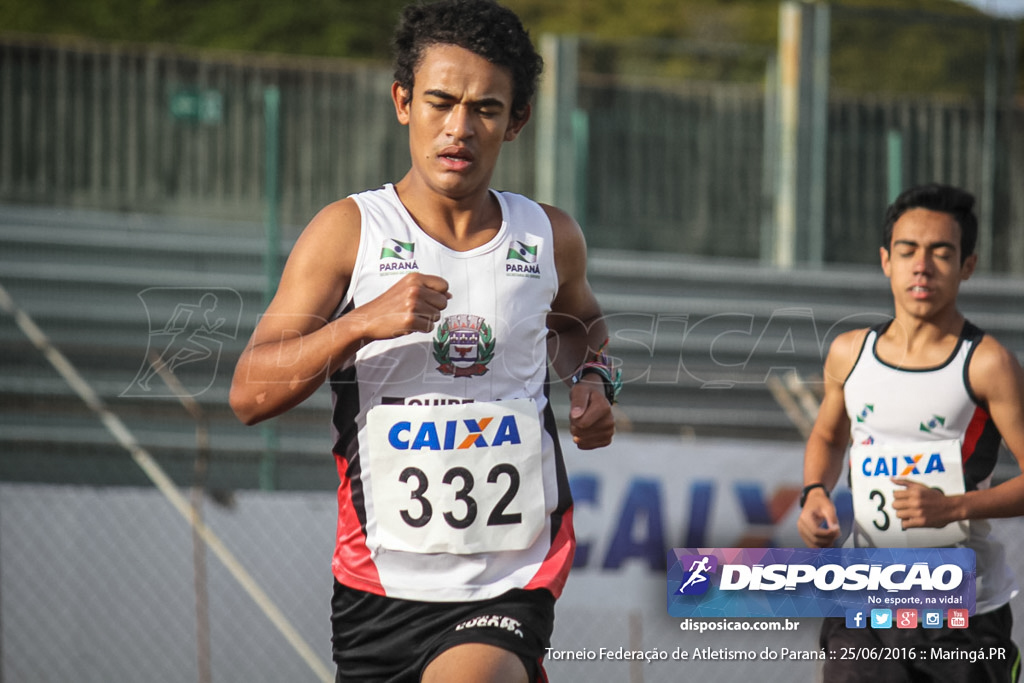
(807, 582)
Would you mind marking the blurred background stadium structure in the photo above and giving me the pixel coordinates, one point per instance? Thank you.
(731, 195)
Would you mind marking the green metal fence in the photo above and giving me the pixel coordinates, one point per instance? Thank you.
(152, 129)
(657, 165)
(917, 139)
(676, 170)
(148, 128)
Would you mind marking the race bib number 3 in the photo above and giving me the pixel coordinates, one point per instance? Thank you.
(933, 463)
(456, 479)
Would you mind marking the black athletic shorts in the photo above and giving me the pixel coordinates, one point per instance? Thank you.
(377, 639)
(980, 653)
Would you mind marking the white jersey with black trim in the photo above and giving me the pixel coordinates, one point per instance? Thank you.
(888, 405)
(452, 485)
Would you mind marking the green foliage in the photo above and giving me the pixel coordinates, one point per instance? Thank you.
(869, 55)
(336, 28)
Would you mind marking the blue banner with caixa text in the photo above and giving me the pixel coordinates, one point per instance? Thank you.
(817, 582)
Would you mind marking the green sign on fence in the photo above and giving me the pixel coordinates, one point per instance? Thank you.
(192, 104)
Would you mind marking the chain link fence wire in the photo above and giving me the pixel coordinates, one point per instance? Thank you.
(96, 586)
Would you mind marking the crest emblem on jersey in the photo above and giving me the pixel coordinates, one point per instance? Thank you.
(463, 346)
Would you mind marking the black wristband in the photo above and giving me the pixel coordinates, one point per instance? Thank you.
(612, 384)
(810, 487)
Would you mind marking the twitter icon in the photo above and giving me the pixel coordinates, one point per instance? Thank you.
(881, 618)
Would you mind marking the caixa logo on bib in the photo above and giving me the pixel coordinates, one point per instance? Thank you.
(453, 435)
(902, 466)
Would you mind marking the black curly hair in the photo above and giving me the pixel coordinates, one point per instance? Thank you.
(942, 198)
(483, 27)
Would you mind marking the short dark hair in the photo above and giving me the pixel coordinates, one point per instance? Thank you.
(935, 197)
(483, 27)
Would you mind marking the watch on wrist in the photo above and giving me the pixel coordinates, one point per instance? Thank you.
(601, 365)
(611, 386)
(810, 487)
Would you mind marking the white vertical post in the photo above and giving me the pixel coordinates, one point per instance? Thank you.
(784, 243)
(803, 64)
(555, 158)
(818, 142)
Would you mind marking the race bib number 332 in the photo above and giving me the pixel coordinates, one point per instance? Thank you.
(459, 479)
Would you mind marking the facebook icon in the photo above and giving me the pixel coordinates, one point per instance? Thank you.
(855, 618)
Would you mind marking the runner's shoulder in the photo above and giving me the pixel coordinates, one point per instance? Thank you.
(844, 352)
(331, 239)
(993, 364)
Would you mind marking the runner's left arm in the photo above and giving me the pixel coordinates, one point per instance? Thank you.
(577, 333)
(998, 381)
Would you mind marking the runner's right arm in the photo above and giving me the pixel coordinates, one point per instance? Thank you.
(818, 523)
(295, 345)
